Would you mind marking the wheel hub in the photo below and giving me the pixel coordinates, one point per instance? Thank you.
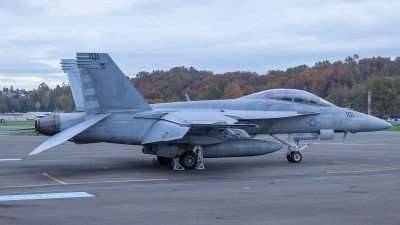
(189, 160)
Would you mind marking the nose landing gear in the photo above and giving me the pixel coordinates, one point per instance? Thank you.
(293, 154)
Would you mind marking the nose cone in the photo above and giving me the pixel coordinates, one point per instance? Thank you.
(376, 124)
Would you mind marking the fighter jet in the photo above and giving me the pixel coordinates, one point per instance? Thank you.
(184, 133)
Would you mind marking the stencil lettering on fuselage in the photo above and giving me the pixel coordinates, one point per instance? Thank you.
(123, 126)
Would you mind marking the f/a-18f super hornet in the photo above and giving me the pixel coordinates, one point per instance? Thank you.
(186, 132)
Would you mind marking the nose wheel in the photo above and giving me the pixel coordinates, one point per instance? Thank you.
(294, 157)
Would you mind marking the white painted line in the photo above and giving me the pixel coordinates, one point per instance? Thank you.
(45, 196)
(16, 159)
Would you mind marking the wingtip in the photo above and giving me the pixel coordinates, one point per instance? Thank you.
(34, 152)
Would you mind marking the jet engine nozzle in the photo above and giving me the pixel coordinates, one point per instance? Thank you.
(49, 125)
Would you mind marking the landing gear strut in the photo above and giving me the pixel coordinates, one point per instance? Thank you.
(190, 159)
(293, 154)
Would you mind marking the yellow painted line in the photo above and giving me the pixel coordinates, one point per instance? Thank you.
(388, 139)
(116, 181)
(83, 183)
(359, 164)
(383, 168)
(317, 143)
(53, 178)
(361, 171)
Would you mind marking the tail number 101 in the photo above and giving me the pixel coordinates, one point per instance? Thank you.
(94, 56)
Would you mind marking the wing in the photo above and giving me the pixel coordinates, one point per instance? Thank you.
(176, 125)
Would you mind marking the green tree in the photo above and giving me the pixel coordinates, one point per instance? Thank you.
(3, 108)
(384, 94)
(217, 88)
(65, 102)
(272, 85)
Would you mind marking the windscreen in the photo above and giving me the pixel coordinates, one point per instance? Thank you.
(289, 95)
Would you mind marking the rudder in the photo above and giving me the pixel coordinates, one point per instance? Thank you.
(71, 69)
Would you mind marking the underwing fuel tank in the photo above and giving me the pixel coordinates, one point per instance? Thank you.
(239, 148)
(54, 124)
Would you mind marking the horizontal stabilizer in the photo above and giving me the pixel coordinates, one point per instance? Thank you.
(68, 134)
(164, 131)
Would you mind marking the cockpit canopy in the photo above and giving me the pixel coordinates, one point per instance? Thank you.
(289, 95)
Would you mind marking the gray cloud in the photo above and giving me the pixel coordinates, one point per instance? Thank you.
(221, 36)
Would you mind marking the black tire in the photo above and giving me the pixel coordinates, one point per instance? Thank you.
(164, 160)
(188, 160)
(289, 157)
(296, 157)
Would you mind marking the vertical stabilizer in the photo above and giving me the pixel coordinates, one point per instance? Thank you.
(71, 69)
(113, 89)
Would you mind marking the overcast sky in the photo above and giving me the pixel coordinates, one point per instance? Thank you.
(217, 35)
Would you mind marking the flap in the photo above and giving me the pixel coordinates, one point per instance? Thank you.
(164, 131)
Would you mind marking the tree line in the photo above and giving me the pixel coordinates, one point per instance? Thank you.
(344, 83)
(43, 99)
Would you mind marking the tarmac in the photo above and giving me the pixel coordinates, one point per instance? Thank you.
(351, 181)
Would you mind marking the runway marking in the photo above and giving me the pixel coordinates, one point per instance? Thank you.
(212, 183)
(55, 179)
(389, 139)
(117, 181)
(361, 171)
(84, 183)
(16, 159)
(383, 168)
(45, 196)
(317, 143)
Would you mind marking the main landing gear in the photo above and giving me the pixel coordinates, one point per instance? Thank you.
(293, 154)
(190, 159)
